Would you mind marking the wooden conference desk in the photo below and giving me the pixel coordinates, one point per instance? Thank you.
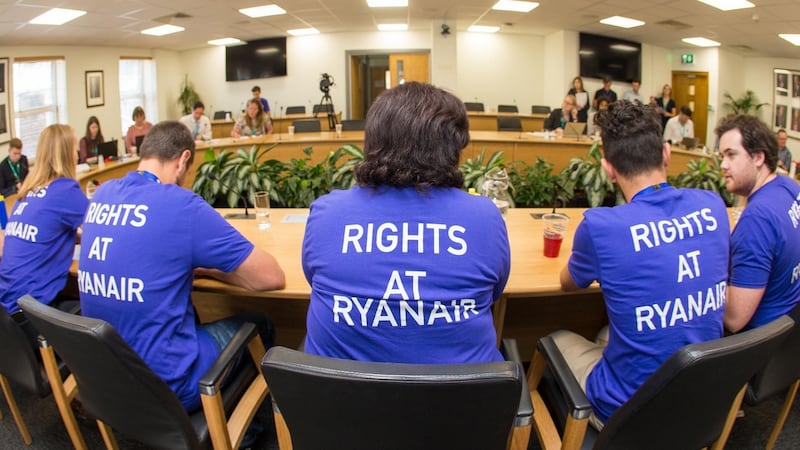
(532, 305)
(221, 128)
(487, 121)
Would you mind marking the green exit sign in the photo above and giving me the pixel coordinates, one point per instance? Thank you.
(687, 58)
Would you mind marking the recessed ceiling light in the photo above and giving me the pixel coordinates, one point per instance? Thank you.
(515, 6)
(225, 41)
(728, 5)
(482, 29)
(162, 30)
(303, 32)
(622, 22)
(701, 42)
(393, 26)
(57, 16)
(793, 38)
(263, 11)
(387, 3)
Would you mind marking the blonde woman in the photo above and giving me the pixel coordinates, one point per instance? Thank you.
(42, 228)
(666, 105)
(254, 122)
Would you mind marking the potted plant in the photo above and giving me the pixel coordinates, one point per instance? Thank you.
(704, 173)
(588, 174)
(745, 104)
(474, 170)
(188, 96)
(534, 185)
(238, 174)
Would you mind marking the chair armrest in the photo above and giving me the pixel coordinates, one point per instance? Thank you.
(573, 395)
(510, 352)
(209, 382)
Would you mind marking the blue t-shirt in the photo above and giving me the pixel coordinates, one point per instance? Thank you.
(265, 104)
(40, 242)
(765, 248)
(399, 275)
(662, 262)
(141, 242)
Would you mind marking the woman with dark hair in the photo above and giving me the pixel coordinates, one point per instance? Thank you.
(581, 98)
(87, 151)
(405, 266)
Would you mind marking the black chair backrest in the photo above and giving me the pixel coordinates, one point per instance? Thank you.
(327, 107)
(306, 126)
(220, 114)
(540, 109)
(507, 108)
(295, 110)
(114, 384)
(17, 358)
(506, 123)
(691, 393)
(332, 403)
(782, 369)
(474, 106)
(353, 125)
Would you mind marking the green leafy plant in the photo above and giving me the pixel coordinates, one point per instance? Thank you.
(234, 174)
(188, 96)
(474, 170)
(343, 176)
(533, 185)
(745, 104)
(588, 174)
(704, 173)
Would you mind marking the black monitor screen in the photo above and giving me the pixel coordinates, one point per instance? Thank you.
(264, 58)
(602, 56)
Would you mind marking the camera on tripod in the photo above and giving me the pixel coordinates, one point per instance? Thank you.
(325, 83)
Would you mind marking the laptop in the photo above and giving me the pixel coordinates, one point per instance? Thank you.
(108, 150)
(689, 143)
(139, 140)
(574, 129)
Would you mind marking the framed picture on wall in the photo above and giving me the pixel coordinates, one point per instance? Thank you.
(5, 112)
(786, 101)
(95, 93)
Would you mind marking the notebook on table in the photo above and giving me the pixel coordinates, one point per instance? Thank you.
(574, 129)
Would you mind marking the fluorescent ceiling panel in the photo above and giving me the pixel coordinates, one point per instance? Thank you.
(793, 38)
(263, 11)
(701, 42)
(622, 22)
(57, 16)
(728, 5)
(515, 6)
(162, 30)
(225, 41)
(387, 3)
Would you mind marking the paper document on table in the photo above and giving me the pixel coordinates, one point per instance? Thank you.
(294, 218)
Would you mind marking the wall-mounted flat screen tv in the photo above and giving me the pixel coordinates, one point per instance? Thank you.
(602, 56)
(264, 58)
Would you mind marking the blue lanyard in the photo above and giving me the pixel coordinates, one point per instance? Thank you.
(150, 176)
(649, 189)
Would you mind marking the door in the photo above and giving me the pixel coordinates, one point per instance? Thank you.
(691, 89)
(409, 67)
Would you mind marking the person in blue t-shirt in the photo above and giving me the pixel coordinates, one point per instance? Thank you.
(43, 226)
(144, 237)
(765, 254)
(405, 266)
(661, 260)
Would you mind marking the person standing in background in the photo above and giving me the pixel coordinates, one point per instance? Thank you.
(13, 169)
(264, 103)
(198, 123)
(784, 154)
(605, 92)
(581, 98)
(666, 105)
(87, 151)
(140, 127)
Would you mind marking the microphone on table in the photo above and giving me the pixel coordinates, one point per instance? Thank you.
(280, 121)
(246, 215)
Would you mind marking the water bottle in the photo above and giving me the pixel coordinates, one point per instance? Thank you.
(3, 213)
(495, 186)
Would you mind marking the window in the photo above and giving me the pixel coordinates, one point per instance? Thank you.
(137, 87)
(40, 98)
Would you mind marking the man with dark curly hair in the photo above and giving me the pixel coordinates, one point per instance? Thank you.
(661, 259)
(405, 266)
(765, 255)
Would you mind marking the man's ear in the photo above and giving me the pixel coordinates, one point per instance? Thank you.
(611, 173)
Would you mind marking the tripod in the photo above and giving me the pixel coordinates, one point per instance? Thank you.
(326, 105)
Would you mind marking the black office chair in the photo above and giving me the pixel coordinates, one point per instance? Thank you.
(353, 125)
(295, 110)
(220, 114)
(306, 126)
(474, 106)
(18, 363)
(507, 108)
(782, 371)
(118, 388)
(322, 403)
(690, 402)
(326, 108)
(508, 123)
(540, 109)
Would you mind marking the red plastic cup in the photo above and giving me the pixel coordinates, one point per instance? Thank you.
(552, 245)
(554, 227)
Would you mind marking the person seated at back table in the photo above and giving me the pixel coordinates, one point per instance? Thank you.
(13, 169)
(41, 233)
(679, 127)
(398, 271)
(87, 152)
(765, 244)
(198, 123)
(140, 127)
(253, 122)
(559, 117)
(661, 260)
